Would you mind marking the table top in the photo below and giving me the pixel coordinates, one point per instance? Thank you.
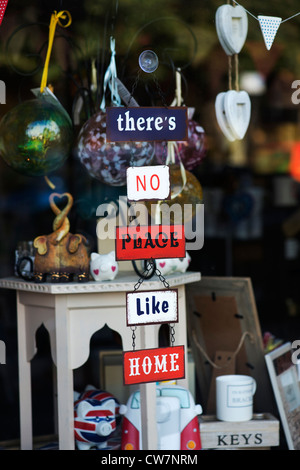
(124, 281)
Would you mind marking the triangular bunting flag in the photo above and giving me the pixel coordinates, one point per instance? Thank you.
(269, 26)
(3, 4)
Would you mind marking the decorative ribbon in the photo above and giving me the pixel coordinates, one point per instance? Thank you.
(55, 18)
(178, 100)
(172, 146)
(110, 79)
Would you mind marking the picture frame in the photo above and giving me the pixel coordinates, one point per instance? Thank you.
(284, 375)
(225, 337)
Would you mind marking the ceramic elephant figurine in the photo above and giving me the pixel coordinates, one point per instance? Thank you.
(61, 256)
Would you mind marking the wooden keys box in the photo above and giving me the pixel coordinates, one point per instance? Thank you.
(261, 431)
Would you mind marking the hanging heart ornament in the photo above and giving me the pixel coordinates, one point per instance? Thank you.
(221, 117)
(232, 28)
(237, 107)
(233, 112)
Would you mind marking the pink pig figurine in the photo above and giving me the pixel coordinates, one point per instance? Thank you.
(103, 267)
(172, 265)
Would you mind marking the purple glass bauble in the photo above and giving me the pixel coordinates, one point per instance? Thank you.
(108, 161)
(191, 152)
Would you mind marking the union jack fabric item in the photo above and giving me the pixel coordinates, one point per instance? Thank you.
(95, 418)
(86, 429)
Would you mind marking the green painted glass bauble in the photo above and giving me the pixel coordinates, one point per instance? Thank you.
(35, 137)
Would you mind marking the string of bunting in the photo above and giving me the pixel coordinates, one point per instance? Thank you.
(269, 24)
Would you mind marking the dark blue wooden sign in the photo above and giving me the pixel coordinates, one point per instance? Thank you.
(146, 124)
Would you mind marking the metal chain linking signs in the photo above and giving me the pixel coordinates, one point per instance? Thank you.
(149, 267)
(133, 329)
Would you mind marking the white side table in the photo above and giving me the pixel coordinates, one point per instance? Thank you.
(72, 313)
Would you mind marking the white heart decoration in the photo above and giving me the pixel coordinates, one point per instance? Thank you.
(237, 106)
(223, 43)
(232, 27)
(221, 117)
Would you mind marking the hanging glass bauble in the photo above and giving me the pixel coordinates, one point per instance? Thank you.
(35, 137)
(191, 152)
(108, 161)
(185, 195)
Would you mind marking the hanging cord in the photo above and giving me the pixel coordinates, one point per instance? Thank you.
(230, 68)
(236, 64)
(173, 148)
(246, 333)
(160, 92)
(236, 72)
(229, 65)
(135, 84)
(229, 72)
(55, 18)
(255, 17)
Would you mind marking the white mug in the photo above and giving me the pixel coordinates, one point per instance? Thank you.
(234, 397)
